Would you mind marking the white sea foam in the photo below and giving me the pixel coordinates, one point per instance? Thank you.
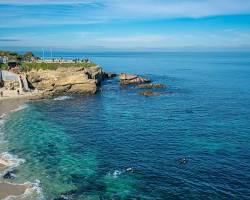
(22, 107)
(117, 173)
(114, 174)
(2, 119)
(33, 191)
(10, 161)
(62, 98)
(3, 115)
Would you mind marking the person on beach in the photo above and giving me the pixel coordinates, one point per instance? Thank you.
(1, 93)
(18, 92)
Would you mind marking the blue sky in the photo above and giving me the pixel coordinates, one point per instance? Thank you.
(142, 25)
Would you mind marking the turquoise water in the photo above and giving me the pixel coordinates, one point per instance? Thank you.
(81, 146)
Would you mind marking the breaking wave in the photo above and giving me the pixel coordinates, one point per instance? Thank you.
(22, 107)
(62, 98)
(33, 191)
(9, 162)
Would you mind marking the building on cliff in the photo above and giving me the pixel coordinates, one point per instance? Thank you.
(3, 59)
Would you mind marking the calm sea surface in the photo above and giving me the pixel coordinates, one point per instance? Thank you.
(81, 146)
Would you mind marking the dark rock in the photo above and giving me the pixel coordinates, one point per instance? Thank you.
(9, 175)
(64, 197)
(151, 86)
(189, 111)
(149, 93)
(109, 75)
(70, 195)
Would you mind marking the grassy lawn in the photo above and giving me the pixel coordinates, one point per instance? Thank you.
(3, 66)
(26, 66)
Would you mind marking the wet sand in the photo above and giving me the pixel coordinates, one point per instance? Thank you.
(3, 167)
(11, 100)
(8, 189)
(7, 105)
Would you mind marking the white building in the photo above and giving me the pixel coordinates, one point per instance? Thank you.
(3, 59)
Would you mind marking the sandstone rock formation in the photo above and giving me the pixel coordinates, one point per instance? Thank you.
(66, 80)
(126, 79)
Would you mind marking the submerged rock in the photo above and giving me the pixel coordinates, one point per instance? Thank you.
(64, 197)
(149, 93)
(151, 86)
(9, 175)
(126, 79)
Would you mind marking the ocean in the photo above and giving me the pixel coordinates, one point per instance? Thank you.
(120, 145)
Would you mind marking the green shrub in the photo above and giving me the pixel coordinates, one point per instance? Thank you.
(3, 66)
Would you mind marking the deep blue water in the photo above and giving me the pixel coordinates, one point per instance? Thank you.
(82, 146)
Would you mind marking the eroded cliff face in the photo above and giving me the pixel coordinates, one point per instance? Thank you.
(66, 80)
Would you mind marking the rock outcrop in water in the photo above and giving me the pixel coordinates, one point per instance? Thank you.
(109, 75)
(127, 79)
(149, 93)
(75, 80)
(151, 86)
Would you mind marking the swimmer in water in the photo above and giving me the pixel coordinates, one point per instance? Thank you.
(183, 161)
(130, 169)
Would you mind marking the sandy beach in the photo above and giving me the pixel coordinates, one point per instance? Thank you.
(8, 104)
(11, 100)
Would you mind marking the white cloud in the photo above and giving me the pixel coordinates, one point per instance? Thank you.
(18, 13)
(142, 41)
(42, 2)
(28, 13)
(174, 9)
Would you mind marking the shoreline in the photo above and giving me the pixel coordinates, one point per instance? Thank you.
(12, 102)
(7, 162)
(8, 105)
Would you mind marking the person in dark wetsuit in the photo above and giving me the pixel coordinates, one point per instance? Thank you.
(183, 161)
(130, 169)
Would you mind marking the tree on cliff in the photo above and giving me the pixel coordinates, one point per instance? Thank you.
(28, 55)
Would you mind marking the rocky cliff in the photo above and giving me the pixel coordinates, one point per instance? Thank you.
(66, 80)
